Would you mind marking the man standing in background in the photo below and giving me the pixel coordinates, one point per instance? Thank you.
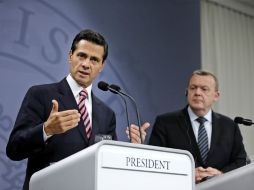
(213, 139)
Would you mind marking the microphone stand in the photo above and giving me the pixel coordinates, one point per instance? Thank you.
(136, 108)
(126, 109)
(117, 90)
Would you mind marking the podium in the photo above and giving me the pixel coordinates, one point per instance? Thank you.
(113, 165)
(238, 179)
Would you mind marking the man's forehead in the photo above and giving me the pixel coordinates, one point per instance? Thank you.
(201, 80)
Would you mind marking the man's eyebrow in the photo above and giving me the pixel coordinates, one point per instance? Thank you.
(81, 53)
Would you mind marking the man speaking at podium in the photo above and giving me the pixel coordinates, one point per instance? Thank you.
(60, 119)
(214, 140)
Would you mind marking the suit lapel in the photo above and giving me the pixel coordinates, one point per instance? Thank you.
(67, 101)
(187, 127)
(66, 97)
(95, 119)
(214, 137)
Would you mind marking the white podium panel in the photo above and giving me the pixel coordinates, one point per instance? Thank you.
(112, 165)
(238, 179)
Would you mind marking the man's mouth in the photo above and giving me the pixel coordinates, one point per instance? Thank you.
(83, 73)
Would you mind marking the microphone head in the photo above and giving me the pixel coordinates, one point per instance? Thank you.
(243, 121)
(115, 87)
(103, 86)
(238, 120)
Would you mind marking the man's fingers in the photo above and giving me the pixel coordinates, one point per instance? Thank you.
(71, 123)
(213, 171)
(63, 126)
(135, 138)
(60, 122)
(68, 114)
(134, 127)
(69, 118)
(54, 106)
(145, 126)
(201, 169)
(135, 132)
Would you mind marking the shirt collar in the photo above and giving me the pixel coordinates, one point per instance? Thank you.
(193, 116)
(76, 88)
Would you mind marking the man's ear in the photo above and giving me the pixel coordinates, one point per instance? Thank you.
(102, 67)
(217, 95)
(186, 92)
(70, 56)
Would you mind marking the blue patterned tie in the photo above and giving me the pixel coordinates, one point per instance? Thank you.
(202, 139)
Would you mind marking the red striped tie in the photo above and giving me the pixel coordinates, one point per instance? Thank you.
(84, 113)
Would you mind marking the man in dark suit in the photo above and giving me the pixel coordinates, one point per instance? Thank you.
(49, 125)
(217, 150)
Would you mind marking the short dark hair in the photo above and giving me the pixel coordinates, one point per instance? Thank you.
(207, 73)
(93, 37)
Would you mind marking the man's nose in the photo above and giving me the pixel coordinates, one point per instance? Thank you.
(85, 62)
(198, 91)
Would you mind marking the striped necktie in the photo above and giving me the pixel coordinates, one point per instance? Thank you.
(84, 113)
(202, 139)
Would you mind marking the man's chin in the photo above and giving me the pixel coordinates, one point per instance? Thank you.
(197, 107)
(82, 83)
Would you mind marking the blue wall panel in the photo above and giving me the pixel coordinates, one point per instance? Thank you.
(153, 48)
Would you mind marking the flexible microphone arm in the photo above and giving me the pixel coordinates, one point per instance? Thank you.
(105, 87)
(118, 89)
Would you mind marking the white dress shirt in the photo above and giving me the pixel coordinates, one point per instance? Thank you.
(76, 88)
(195, 124)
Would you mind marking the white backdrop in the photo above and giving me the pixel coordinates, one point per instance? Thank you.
(228, 51)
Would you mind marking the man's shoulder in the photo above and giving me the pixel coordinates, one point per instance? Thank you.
(221, 117)
(172, 114)
(50, 87)
(222, 120)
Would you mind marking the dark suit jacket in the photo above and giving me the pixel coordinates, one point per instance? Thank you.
(26, 139)
(227, 152)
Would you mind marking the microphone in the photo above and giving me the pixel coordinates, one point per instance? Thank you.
(243, 121)
(118, 89)
(105, 87)
(115, 87)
